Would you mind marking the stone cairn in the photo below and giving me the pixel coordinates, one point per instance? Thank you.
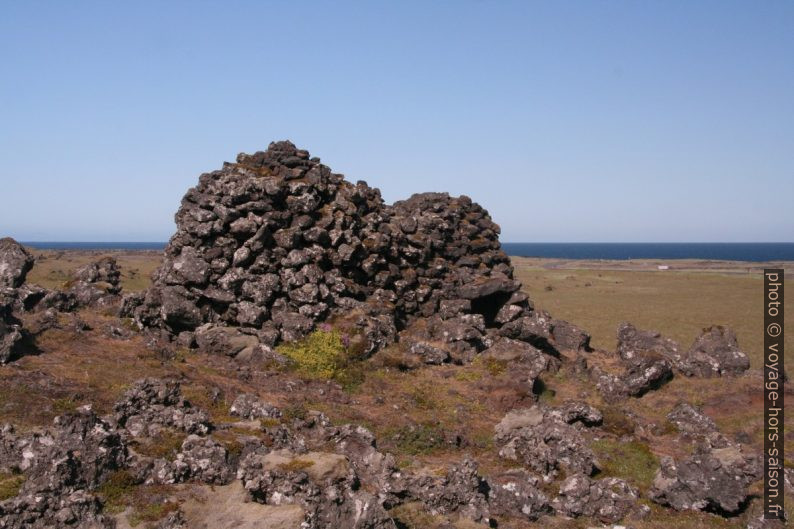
(275, 243)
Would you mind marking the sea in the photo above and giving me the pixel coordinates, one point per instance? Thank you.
(729, 251)
(758, 252)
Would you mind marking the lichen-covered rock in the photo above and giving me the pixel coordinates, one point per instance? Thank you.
(568, 336)
(609, 500)
(715, 478)
(12, 340)
(152, 404)
(690, 420)
(250, 407)
(15, 263)
(715, 353)
(201, 459)
(97, 283)
(461, 491)
(546, 439)
(646, 359)
(79, 454)
(228, 341)
(323, 483)
(633, 342)
(516, 493)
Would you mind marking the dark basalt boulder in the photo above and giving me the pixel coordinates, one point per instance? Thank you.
(62, 467)
(633, 342)
(569, 337)
(643, 364)
(15, 263)
(547, 440)
(97, 283)
(461, 491)
(153, 404)
(250, 407)
(690, 420)
(516, 493)
(715, 478)
(609, 500)
(715, 353)
(12, 340)
(324, 484)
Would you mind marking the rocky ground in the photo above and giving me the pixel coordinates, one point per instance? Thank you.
(307, 356)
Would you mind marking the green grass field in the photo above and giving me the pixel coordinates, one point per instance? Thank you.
(676, 303)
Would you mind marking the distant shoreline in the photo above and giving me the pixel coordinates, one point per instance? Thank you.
(742, 252)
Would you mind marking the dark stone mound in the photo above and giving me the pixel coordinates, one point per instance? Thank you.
(276, 243)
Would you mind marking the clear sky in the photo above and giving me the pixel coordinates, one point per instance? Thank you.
(568, 121)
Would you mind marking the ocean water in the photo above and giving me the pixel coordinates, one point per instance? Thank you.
(773, 251)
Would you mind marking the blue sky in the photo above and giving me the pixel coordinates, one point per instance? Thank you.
(568, 121)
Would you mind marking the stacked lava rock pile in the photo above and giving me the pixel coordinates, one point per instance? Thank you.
(275, 243)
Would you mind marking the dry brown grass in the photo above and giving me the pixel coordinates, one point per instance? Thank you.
(679, 304)
(53, 268)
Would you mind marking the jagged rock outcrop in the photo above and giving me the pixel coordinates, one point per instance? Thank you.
(12, 336)
(715, 477)
(690, 420)
(276, 242)
(461, 491)
(200, 459)
(97, 283)
(715, 353)
(250, 407)
(546, 439)
(15, 263)
(517, 493)
(324, 484)
(643, 361)
(62, 469)
(609, 500)
(152, 404)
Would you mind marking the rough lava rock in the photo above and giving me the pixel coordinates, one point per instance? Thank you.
(546, 439)
(323, 483)
(715, 353)
(97, 283)
(152, 404)
(609, 499)
(15, 263)
(714, 478)
(276, 243)
(62, 468)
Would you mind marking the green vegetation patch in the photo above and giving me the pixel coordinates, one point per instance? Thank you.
(152, 512)
(616, 421)
(632, 461)
(115, 490)
(10, 485)
(414, 515)
(327, 353)
(165, 444)
(417, 439)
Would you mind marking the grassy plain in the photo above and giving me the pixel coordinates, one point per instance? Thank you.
(678, 302)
